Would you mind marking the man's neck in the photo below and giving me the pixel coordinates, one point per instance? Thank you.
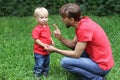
(76, 24)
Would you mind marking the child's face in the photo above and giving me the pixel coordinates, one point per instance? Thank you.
(42, 19)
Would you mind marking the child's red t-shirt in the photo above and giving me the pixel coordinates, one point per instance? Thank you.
(44, 35)
(98, 47)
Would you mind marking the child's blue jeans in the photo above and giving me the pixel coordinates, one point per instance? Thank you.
(83, 67)
(41, 64)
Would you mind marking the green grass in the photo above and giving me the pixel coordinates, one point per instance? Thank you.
(16, 47)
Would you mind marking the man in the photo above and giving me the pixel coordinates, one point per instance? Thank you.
(91, 55)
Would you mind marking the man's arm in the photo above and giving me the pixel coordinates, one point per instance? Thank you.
(69, 43)
(76, 53)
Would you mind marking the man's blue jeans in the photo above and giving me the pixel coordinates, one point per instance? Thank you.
(41, 64)
(83, 67)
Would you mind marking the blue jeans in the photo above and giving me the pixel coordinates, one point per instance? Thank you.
(83, 67)
(41, 64)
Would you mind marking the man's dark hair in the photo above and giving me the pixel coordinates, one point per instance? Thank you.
(71, 10)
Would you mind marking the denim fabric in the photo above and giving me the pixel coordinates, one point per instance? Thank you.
(41, 64)
(83, 67)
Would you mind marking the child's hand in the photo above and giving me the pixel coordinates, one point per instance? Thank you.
(50, 48)
(45, 46)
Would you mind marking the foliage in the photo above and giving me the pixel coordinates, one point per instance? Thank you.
(103, 7)
(26, 7)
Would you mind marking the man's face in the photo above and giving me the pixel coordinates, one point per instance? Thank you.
(66, 20)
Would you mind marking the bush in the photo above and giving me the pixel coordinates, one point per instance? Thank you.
(103, 7)
(26, 7)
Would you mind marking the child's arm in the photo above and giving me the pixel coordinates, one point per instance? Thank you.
(40, 43)
(53, 44)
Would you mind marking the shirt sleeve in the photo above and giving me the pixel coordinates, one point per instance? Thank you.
(84, 35)
(35, 33)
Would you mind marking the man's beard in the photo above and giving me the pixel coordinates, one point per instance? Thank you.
(68, 25)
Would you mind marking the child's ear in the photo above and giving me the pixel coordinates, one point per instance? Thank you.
(36, 19)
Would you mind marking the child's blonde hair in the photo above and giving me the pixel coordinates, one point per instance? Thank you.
(40, 10)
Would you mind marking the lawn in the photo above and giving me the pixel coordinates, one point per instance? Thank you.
(16, 47)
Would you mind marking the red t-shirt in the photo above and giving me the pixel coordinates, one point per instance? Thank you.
(44, 35)
(98, 47)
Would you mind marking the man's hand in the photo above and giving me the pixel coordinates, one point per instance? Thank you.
(57, 32)
(50, 48)
(45, 46)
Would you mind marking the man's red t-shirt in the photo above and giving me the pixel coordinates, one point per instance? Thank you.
(44, 35)
(98, 47)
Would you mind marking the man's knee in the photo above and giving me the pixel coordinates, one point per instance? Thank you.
(65, 62)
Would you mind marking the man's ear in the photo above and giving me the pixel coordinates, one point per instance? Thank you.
(72, 20)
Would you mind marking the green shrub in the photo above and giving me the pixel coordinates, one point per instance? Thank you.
(103, 7)
(26, 7)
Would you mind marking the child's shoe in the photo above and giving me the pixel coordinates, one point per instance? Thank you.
(104, 78)
(37, 77)
(45, 74)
